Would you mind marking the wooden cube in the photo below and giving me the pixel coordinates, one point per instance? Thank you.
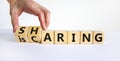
(47, 37)
(21, 34)
(86, 37)
(60, 37)
(98, 37)
(34, 34)
(73, 37)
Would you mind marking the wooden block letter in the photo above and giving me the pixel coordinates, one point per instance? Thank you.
(21, 34)
(86, 37)
(98, 37)
(60, 37)
(73, 37)
(34, 34)
(47, 37)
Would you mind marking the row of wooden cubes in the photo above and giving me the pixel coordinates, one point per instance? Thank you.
(34, 34)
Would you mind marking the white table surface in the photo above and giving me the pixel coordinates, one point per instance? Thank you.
(11, 50)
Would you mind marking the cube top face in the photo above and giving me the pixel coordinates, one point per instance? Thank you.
(86, 37)
(73, 37)
(60, 37)
(34, 30)
(98, 37)
(22, 30)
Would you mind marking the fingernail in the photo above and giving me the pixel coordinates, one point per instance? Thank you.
(14, 29)
(44, 27)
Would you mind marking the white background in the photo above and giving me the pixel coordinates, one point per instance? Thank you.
(103, 15)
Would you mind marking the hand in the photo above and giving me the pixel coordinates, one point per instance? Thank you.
(19, 6)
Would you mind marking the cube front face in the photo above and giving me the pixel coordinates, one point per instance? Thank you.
(48, 37)
(34, 34)
(73, 37)
(21, 34)
(86, 37)
(98, 37)
(60, 37)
